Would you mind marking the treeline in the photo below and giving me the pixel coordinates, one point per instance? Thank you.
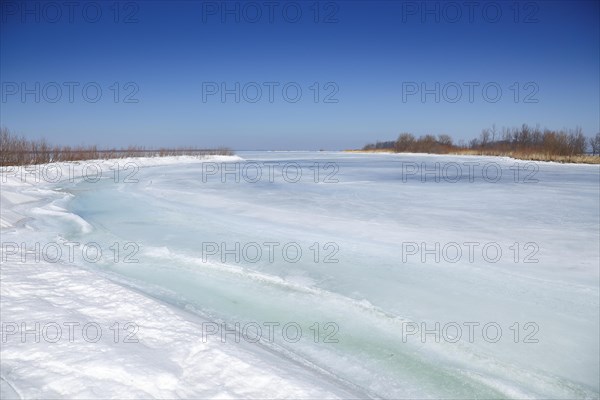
(15, 150)
(523, 141)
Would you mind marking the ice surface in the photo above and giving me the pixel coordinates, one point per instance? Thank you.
(367, 206)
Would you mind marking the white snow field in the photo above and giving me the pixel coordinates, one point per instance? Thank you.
(301, 275)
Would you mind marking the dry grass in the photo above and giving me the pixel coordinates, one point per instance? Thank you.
(575, 159)
(371, 151)
(20, 151)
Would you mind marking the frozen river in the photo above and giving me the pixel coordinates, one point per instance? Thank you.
(377, 275)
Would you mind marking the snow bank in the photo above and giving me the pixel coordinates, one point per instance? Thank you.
(98, 339)
(18, 181)
(71, 333)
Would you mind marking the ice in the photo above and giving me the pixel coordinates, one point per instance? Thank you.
(361, 210)
(171, 359)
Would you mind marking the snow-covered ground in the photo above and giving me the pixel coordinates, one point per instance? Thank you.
(364, 275)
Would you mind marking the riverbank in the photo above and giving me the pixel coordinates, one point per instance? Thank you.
(575, 159)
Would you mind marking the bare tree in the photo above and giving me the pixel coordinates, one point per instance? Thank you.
(506, 135)
(427, 144)
(485, 137)
(405, 142)
(474, 143)
(445, 140)
(577, 142)
(595, 144)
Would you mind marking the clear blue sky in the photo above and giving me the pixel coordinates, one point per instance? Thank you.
(374, 55)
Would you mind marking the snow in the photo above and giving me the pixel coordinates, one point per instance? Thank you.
(371, 298)
(171, 359)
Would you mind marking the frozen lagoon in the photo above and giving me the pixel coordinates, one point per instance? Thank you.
(304, 274)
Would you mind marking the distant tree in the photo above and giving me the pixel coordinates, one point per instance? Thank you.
(427, 144)
(485, 137)
(428, 139)
(523, 141)
(523, 136)
(369, 146)
(445, 140)
(595, 144)
(385, 145)
(577, 142)
(405, 142)
(506, 135)
(536, 137)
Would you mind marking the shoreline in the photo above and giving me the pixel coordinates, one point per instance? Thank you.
(581, 160)
(17, 179)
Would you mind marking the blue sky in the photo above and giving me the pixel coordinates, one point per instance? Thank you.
(368, 61)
